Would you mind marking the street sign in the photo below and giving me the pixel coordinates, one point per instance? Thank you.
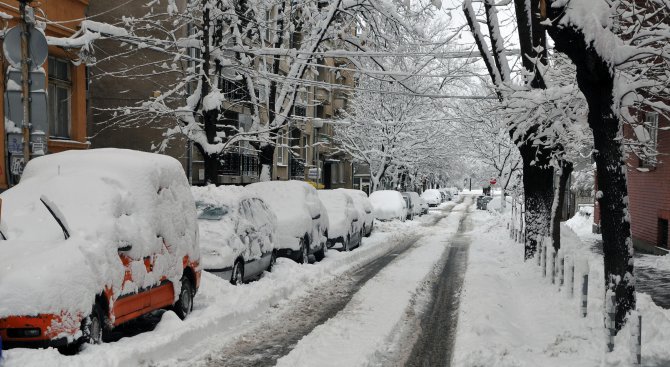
(38, 49)
(493, 181)
(39, 119)
(16, 165)
(15, 143)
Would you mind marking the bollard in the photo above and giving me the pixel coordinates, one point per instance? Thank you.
(544, 260)
(572, 279)
(637, 362)
(610, 320)
(553, 268)
(539, 255)
(562, 271)
(585, 291)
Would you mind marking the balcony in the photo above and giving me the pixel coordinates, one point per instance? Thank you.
(297, 168)
(238, 168)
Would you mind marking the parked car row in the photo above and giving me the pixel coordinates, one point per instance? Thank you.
(92, 239)
(390, 204)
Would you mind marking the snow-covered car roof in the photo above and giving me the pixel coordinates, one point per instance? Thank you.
(106, 198)
(219, 241)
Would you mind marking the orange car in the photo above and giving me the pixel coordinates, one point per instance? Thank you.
(93, 239)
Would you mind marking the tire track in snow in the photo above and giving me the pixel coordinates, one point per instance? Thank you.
(435, 341)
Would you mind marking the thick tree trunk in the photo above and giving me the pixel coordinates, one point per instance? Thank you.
(538, 178)
(596, 81)
(559, 200)
(210, 117)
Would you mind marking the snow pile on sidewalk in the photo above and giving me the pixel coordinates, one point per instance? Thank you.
(510, 315)
(359, 334)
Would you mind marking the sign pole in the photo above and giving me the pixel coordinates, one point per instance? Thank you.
(25, 74)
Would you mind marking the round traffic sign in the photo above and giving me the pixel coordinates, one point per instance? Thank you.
(493, 181)
(38, 49)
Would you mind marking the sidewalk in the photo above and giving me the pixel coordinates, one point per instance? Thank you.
(511, 315)
(652, 271)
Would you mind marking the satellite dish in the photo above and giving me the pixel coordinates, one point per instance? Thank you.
(38, 49)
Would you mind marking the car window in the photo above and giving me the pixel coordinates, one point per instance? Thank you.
(211, 212)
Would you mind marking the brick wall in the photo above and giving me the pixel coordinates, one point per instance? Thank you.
(649, 192)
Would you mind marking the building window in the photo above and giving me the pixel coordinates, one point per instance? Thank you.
(60, 92)
(647, 135)
(341, 174)
(282, 142)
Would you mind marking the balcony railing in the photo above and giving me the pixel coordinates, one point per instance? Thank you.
(238, 164)
(297, 168)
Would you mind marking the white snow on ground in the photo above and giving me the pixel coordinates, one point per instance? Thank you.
(220, 308)
(512, 316)
(358, 334)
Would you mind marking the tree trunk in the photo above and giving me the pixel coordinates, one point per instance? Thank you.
(596, 81)
(559, 199)
(538, 178)
(210, 117)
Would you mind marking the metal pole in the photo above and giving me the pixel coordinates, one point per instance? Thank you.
(611, 301)
(189, 161)
(25, 75)
(636, 332)
(585, 292)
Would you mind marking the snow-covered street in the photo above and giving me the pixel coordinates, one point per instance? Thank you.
(296, 315)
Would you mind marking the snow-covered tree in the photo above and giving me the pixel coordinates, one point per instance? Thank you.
(621, 50)
(391, 131)
(258, 56)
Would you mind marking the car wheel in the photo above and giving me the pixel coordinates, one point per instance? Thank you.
(321, 254)
(184, 304)
(273, 260)
(304, 251)
(93, 325)
(238, 273)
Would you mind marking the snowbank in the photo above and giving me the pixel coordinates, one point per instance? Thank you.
(510, 315)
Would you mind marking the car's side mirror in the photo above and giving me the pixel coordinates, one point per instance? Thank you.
(125, 248)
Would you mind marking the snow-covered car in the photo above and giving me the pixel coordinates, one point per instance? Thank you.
(388, 205)
(362, 203)
(419, 205)
(432, 197)
(93, 239)
(410, 205)
(344, 226)
(302, 220)
(237, 231)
